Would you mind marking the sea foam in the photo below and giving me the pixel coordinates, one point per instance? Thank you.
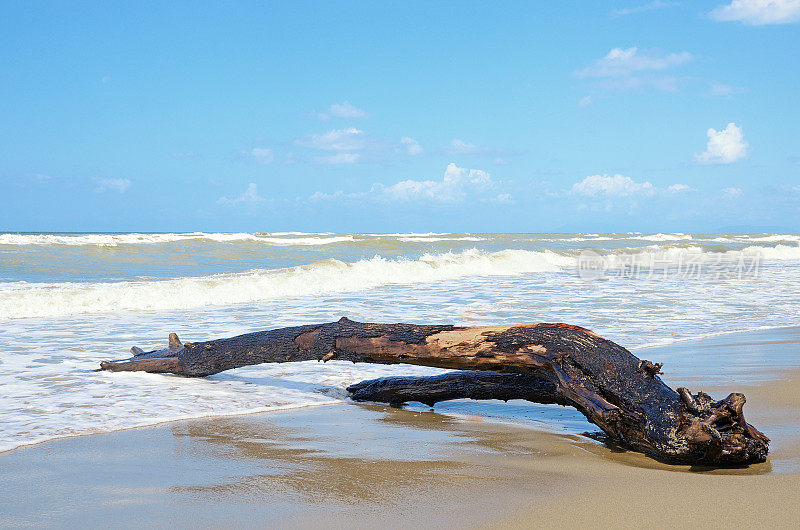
(24, 300)
(21, 299)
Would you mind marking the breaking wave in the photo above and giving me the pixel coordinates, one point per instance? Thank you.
(663, 254)
(21, 299)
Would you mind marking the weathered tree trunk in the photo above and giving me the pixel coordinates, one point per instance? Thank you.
(556, 363)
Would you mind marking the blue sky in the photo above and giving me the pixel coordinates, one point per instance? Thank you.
(382, 116)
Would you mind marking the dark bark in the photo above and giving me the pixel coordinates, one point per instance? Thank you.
(564, 364)
(457, 385)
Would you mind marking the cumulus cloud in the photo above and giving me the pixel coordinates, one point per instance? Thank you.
(611, 186)
(732, 192)
(115, 185)
(411, 146)
(724, 146)
(250, 196)
(350, 139)
(456, 184)
(622, 194)
(453, 187)
(650, 6)
(343, 110)
(758, 12)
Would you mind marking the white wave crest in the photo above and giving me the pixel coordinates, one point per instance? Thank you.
(775, 238)
(663, 255)
(427, 239)
(21, 300)
(409, 234)
(663, 237)
(112, 240)
(632, 236)
(778, 252)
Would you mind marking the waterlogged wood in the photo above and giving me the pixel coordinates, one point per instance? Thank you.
(546, 363)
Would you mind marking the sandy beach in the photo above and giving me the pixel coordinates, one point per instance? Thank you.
(238, 239)
(374, 466)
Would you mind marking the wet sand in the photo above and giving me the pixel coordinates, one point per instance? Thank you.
(373, 466)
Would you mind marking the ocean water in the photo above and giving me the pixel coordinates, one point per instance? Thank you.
(68, 301)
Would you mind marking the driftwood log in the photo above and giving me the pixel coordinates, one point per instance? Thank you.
(543, 363)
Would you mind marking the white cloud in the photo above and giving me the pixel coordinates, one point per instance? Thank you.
(453, 187)
(632, 68)
(585, 102)
(650, 6)
(460, 147)
(758, 12)
(250, 196)
(318, 196)
(679, 188)
(732, 192)
(724, 146)
(611, 186)
(343, 110)
(346, 110)
(623, 62)
(350, 139)
(456, 184)
(502, 198)
(262, 155)
(412, 146)
(117, 185)
(338, 158)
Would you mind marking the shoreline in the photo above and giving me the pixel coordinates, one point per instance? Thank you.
(710, 336)
(440, 406)
(375, 466)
